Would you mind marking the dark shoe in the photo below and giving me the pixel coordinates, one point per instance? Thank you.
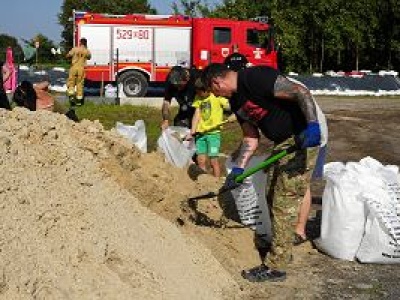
(70, 114)
(72, 101)
(194, 171)
(79, 102)
(263, 273)
(298, 239)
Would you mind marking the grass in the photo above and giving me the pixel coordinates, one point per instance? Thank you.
(109, 114)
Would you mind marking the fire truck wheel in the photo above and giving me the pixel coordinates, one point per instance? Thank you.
(134, 84)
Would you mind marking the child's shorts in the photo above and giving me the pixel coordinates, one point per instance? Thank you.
(208, 144)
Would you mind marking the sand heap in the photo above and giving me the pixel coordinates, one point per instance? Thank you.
(72, 227)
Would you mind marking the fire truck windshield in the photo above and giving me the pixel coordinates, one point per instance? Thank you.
(261, 39)
(257, 38)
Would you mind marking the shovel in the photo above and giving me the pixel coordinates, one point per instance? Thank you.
(181, 139)
(192, 202)
(229, 120)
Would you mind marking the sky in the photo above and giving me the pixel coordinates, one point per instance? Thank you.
(24, 19)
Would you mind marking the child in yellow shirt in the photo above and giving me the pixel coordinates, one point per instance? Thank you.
(206, 127)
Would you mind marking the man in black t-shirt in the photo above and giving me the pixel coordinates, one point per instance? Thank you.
(284, 111)
(236, 61)
(179, 85)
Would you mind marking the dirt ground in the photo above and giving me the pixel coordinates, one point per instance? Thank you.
(358, 127)
(85, 216)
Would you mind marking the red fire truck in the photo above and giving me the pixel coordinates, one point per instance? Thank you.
(138, 49)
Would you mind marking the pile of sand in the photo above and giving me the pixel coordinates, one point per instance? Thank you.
(74, 223)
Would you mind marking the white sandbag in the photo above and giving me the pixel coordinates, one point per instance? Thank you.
(377, 246)
(250, 200)
(343, 214)
(136, 134)
(110, 91)
(361, 205)
(376, 166)
(177, 151)
(381, 242)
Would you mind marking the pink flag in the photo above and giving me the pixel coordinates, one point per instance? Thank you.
(11, 83)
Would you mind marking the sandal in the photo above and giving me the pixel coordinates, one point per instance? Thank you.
(263, 273)
(298, 239)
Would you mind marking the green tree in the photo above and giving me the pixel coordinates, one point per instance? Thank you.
(193, 8)
(96, 6)
(387, 50)
(237, 9)
(318, 35)
(44, 54)
(315, 35)
(283, 16)
(9, 41)
(360, 22)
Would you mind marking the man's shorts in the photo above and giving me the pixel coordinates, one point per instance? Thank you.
(208, 144)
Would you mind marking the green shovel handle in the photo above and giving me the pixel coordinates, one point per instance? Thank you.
(266, 163)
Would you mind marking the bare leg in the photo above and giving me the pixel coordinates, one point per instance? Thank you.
(304, 211)
(215, 166)
(201, 161)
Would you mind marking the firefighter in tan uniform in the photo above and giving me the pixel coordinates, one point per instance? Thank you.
(76, 77)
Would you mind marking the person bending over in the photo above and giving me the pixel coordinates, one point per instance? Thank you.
(179, 85)
(284, 111)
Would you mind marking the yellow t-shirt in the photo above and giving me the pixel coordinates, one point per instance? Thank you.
(211, 112)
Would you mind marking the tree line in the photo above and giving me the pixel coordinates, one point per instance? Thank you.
(312, 35)
(321, 35)
(27, 52)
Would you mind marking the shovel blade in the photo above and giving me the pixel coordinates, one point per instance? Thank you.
(205, 196)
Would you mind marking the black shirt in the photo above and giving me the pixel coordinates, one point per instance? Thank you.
(254, 102)
(185, 98)
(236, 61)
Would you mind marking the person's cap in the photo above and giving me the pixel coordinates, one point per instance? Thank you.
(178, 75)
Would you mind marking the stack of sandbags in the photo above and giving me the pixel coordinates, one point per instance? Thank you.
(361, 212)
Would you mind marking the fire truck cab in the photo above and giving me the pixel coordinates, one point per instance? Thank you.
(135, 50)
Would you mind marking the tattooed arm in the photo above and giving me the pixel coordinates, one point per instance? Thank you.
(165, 109)
(287, 89)
(249, 144)
(165, 114)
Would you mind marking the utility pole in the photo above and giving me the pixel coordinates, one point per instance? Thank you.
(117, 100)
(37, 45)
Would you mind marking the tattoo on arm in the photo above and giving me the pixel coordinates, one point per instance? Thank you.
(245, 152)
(284, 88)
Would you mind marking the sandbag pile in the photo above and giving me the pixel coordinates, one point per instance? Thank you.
(361, 212)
